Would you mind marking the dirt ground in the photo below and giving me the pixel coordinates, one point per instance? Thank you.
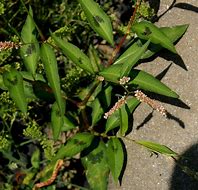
(180, 130)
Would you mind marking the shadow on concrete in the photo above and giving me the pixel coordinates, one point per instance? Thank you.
(161, 75)
(186, 6)
(146, 120)
(169, 116)
(185, 175)
(124, 163)
(175, 58)
(169, 100)
(167, 55)
(155, 4)
(176, 119)
(165, 99)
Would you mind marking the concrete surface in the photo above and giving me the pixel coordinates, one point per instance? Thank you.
(180, 132)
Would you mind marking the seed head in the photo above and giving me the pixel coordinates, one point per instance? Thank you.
(117, 105)
(124, 80)
(154, 104)
(9, 45)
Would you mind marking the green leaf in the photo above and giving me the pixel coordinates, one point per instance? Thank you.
(148, 82)
(28, 76)
(114, 120)
(124, 121)
(14, 82)
(112, 73)
(57, 121)
(94, 58)
(82, 95)
(115, 157)
(30, 49)
(173, 33)
(97, 170)
(28, 90)
(100, 103)
(34, 85)
(129, 52)
(75, 145)
(74, 53)
(2, 85)
(157, 148)
(97, 111)
(98, 19)
(148, 31)
(35, 159)
(132, 59)
(51, 69)
(67, 124)
(105, 96)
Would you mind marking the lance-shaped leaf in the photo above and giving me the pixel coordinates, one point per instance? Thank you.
(157, 148)
(51, 69)
(57, 120)
(148, 31)
(97, 111)
(75, 145)
(148, 82)
(93, 87)
(112, 73)
(28, 90)
(30, 49)
(105, 96)
(131, 59)
(173, 33)
(114, 120)
(124, 121)
(67, 124)
(129, 52)
(94, 58)
(29, 77)
(115, 157)
(14, 82)
(74, 53)
(97, 170)
(98, 19)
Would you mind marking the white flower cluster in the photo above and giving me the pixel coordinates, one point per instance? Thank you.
(117, 105)
(8, 45)
(124, 80)
(154, 104)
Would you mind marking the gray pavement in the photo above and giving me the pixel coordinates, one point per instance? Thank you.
(180, 133)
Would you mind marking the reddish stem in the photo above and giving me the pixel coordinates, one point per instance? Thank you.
(117, 49)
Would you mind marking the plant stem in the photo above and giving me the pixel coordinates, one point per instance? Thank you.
(11, 158)
(84, 102)
(84, 119)
(26, 142)
(117, 49)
